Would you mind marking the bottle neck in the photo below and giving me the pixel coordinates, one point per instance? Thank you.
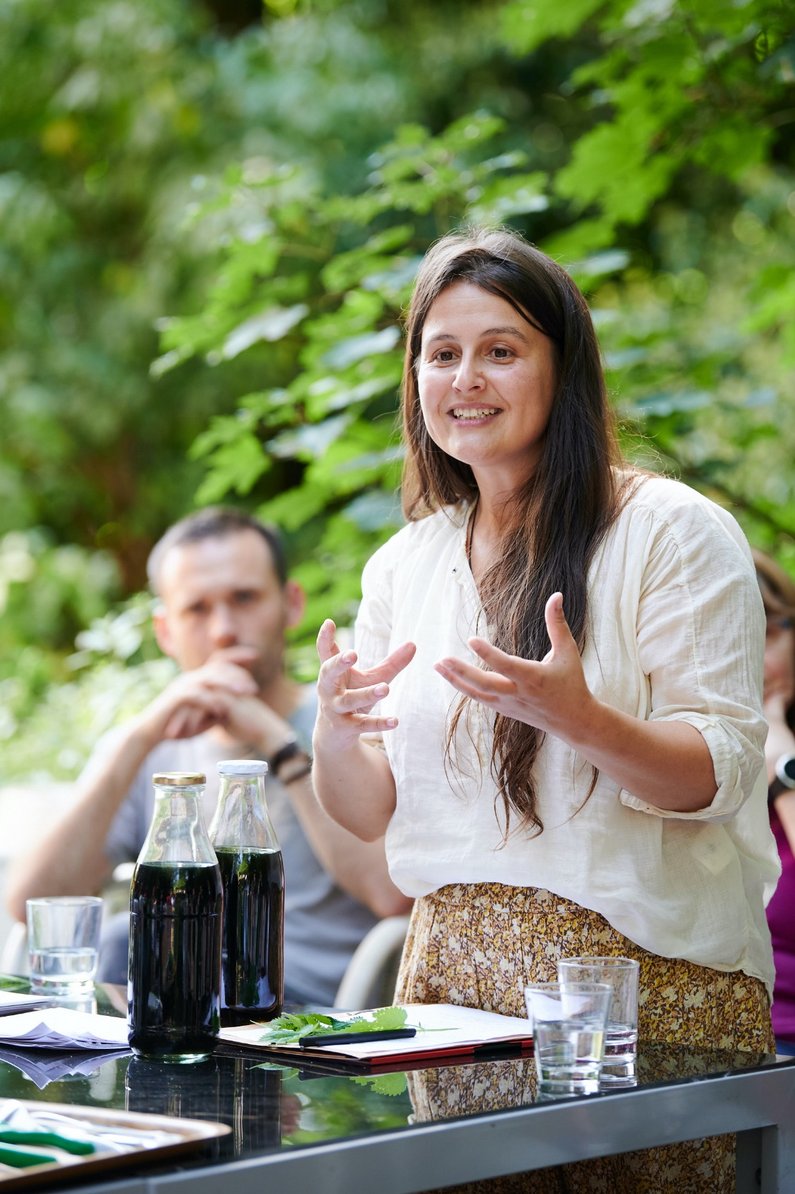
(178, 833)
(241, 817)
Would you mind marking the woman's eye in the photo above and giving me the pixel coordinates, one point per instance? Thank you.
(501, 352)
(442, 356)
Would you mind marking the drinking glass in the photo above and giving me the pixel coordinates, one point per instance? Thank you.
(569, 1021)
(621, 1040)
(63, 943)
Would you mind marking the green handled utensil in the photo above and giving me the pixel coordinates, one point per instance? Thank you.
(20, 1158)
(80, 1148)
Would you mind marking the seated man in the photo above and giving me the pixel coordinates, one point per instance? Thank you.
(224, 604)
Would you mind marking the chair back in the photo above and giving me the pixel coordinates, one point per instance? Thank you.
(369, 980)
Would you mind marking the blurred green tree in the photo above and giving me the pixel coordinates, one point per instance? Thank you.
(264, 198)
(116, 120)
(107, 112)
(688, 168)
(673, 208)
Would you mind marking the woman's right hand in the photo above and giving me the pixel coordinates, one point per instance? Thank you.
(347, 694)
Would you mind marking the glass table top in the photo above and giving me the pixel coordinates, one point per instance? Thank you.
(273, 1107)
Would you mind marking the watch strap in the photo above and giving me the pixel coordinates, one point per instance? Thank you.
(283, 755)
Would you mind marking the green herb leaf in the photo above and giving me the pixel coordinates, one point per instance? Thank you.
(12, 982)
(383, 1019)
(293, 1027)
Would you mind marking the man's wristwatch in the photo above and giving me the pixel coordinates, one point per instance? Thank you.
(785, 776)
(291, 762)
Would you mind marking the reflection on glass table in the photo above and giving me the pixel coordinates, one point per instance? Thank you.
(273, 1108)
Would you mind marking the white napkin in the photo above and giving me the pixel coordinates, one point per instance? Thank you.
(63, 1028)
(13, 1001)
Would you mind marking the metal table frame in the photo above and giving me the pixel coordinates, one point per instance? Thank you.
(758, 1105)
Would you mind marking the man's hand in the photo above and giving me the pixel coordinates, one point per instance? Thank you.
(195, 701)
(251, 721)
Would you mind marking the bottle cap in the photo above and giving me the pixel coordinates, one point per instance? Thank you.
(242, 767)
(178, 779)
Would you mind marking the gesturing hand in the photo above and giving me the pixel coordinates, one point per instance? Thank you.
(346, 694)
(551, 694)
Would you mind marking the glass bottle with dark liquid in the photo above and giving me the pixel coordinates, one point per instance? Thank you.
(252, 873)
(174, 978)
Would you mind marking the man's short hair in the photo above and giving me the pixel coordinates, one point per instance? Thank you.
(214, 522)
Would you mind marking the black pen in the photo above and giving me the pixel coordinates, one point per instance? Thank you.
(352, 1038)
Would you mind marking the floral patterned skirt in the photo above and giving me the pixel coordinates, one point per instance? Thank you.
(477, 945)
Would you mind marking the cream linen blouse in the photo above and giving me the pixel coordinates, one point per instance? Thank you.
(676, 631)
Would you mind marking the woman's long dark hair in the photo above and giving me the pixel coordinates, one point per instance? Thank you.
(555, 522)
(778, 597)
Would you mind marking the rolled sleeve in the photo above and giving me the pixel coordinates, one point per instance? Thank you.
(700, 630)
(737, 762)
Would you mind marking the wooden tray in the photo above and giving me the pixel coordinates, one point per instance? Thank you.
(190, 1133)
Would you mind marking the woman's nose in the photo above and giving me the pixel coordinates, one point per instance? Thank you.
(467, 376)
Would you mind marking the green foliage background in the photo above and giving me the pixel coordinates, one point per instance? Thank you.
(208, 237)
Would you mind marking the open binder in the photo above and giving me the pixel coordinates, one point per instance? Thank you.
(445, 1032)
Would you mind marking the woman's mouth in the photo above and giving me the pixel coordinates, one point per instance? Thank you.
(474, 412)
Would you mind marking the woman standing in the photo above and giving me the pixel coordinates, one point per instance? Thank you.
(778, 595)
(567, 658)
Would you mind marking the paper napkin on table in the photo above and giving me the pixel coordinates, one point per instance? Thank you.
(63, 1028)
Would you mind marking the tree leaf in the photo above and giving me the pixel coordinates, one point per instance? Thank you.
(270, 325)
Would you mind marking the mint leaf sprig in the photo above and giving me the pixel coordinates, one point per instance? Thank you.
(13, 982)
(294, 1026)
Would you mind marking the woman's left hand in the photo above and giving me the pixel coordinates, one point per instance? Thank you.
(551, 694)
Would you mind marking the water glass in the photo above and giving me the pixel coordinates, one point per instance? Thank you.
(569, 1021)
(621, 1041)
(63, 943)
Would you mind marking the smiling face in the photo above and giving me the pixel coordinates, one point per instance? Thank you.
(486, 380)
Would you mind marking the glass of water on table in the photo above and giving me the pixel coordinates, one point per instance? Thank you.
(63, 943)
(621, 1039)
(569, 1021)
